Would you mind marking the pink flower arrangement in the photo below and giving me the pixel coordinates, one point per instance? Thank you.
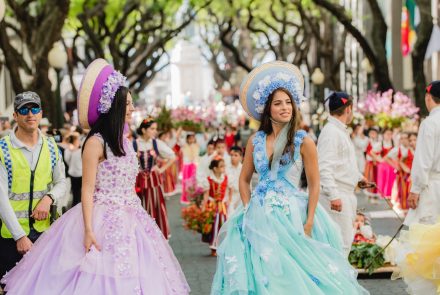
(183, 114)
(198, 115)
(376, 103)
(386, 109)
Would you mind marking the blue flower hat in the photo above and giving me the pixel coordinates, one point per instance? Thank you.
(265, 79)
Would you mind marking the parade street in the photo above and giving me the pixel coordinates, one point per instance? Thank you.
(199, 266)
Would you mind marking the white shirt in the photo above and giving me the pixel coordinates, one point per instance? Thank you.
(74, 161)
(190, 153)
(394, 153)
(233, 173)
(427, 154)
(376, 148)
(337, 160)
(164, 150)
(360, 144)
(205, 183)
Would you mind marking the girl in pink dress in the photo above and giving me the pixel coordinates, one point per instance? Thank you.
(190, 153)
(386, 174)
(372, 153)
(107, 244)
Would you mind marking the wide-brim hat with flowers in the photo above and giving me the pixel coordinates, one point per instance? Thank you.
(265, 79)
(97, 91)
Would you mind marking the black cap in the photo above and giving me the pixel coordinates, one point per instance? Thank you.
(25, 98)
(434, 88)
(337, 100)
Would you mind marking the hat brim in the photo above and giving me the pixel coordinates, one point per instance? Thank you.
(89, 92)
(27, 103)
(250, 83)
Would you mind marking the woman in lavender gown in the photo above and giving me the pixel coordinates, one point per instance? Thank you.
(108, 244)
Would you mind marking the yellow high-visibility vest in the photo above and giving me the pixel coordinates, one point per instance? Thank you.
(23, 183)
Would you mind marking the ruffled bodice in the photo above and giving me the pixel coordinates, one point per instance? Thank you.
(116, 177)
(288, 175)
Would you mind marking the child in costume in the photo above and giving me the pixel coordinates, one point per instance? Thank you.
(108, 244)
(233, 173)
(385, 171)
(363, 230)
(204, 162)
(374, 148)
(216, 187)
(190, 153)
(401, 159)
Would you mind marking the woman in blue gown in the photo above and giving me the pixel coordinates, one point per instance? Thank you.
(280, 241)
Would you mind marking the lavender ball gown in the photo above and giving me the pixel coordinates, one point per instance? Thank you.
(134, 258)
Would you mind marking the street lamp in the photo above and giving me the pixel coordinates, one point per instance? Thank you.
(58, 59)
(366, 66)
(317, 77)
(2, 9)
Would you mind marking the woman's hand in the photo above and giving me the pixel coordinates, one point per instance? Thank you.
(308, 228)
(90, 240)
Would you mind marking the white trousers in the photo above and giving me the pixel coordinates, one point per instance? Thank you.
(428, 209)
(345, 219)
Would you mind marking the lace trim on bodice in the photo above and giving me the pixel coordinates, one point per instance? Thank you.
(261, 160)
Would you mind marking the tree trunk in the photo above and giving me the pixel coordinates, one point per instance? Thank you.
(424, 30)
(37, 34)
(378, 58)
(42, 85)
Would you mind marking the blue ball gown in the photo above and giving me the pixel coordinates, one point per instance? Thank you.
(263, 248)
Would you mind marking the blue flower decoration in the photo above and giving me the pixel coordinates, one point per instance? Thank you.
(270, 83)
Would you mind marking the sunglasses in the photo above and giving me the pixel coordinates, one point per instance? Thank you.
(24, 110)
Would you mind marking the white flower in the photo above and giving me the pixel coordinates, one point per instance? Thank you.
(259, 109)
(232, 269)
(332, 269)
(266, 81)
(256, 95)
(231, 259)
(283, 76)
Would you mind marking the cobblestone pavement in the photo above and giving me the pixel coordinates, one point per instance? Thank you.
(199, 266)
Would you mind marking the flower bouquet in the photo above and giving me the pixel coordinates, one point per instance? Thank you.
(195, 192)
(199, 219)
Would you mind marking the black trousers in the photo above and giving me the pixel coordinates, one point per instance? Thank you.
(76, 189)
(9, 255)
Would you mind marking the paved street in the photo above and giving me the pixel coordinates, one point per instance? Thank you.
(199, 267)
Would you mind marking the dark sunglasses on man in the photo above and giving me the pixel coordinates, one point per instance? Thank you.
(25, 110)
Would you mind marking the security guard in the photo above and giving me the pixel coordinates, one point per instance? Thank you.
(32, 177)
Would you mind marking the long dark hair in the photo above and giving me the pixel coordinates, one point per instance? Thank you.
(266, 123)
(111, 124)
